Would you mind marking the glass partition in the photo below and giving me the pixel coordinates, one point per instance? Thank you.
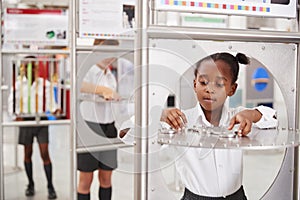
(259, 83)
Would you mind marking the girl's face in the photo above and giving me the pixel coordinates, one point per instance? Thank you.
(213, 84)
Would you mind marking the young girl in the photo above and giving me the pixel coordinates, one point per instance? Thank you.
(213, 173)
(216, 174)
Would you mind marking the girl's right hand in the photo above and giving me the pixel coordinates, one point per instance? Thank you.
(174, 117)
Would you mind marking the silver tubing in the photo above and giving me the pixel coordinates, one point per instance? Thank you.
(40, 51)
(72, 44)
(36, 123)
(102, 49)
(1, 120)
(16, 148)
(102, 148)
(296, 188)
(166, 32)
(141, 102)
(296, 149)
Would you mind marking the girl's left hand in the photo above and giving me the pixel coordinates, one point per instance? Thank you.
(245, 123)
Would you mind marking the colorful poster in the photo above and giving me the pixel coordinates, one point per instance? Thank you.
(106, 19)
(35, 27)
(267, 8)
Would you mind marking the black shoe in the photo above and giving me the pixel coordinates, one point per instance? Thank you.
(51, 193)
(29, 191)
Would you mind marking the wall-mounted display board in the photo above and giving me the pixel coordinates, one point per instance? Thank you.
(268, 8)
(34, 27)
(106, 19)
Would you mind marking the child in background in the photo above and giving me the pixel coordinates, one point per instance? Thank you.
(99, 80)
(24, 105)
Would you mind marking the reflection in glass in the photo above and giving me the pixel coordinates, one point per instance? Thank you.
(104, 89)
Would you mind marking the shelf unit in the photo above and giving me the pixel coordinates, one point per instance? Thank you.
(4, 88)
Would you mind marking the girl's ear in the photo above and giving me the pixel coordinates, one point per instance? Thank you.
(232, 89)
(195, 84)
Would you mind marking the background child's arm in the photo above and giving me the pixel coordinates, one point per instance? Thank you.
(106, 92)
(126, 133)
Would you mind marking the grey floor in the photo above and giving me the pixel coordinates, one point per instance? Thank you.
(260, 168)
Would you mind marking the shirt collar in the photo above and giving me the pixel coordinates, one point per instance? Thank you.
(101, 71)
(224, 118)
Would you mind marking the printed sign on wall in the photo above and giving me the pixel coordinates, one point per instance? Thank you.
(35, 26)
(274, 8)
(106, 19)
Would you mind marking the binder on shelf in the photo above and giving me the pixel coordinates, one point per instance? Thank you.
(14, 85)
(29, 82)
(45, 90)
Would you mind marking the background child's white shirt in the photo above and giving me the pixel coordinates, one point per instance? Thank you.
(98, 112)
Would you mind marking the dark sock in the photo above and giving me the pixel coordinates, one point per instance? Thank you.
(83, 196)
(104, 193)
(28, 170)
(48, 171)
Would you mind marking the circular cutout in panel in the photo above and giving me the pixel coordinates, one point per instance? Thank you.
(254, 161)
